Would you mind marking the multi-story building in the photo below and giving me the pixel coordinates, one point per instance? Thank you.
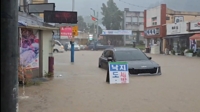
(155, 20)
(133, 20)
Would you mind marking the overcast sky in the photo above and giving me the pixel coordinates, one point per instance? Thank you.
(83, 6)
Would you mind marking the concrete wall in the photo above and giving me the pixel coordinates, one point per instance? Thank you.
(134, 20)
(187, 16)
(47, 49)
(153, 12)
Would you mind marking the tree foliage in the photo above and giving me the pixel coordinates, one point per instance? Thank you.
(112, 16)
(82, 26)
(91, 29)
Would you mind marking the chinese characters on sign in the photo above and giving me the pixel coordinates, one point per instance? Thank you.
(118, 72)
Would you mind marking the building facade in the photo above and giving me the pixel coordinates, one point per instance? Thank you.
(177, 37)
(134, 20)
(156, 19)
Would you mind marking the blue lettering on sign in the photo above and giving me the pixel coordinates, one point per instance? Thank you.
(115, 75)
(117, 67)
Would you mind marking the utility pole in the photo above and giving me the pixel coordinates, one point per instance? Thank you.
(97, 25)
(72, 40)
(94, 21)
(9, 55)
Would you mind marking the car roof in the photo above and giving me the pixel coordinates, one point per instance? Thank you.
(121, 48)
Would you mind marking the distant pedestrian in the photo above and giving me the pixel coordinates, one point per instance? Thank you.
(109, 42)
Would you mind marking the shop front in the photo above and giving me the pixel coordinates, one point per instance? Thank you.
(153, 36)
(194, 26)
(195, 42)
(177, 38)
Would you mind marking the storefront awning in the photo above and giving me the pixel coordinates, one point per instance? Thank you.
(195, 37)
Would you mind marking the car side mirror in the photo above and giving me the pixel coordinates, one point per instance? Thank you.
(109, 59)
(149, 58)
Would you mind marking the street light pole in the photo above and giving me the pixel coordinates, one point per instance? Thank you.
(73, 5)
(97, 26)
(94, 22)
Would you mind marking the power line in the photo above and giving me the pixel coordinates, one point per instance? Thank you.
(132, 4)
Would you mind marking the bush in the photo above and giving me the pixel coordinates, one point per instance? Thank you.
(190, 51)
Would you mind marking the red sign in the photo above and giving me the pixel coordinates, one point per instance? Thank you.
(123, 77)
(66, 31)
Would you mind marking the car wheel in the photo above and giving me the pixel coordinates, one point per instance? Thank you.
(55, 51)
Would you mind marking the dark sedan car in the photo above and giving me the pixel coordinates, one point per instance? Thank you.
(138, 62)
(98, 46)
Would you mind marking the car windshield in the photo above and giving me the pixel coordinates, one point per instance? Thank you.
(130, 55)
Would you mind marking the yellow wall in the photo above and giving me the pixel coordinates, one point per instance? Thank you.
(188, 16)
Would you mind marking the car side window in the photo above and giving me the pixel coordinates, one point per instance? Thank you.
(57, 43)
(104, 53)
(108, 53)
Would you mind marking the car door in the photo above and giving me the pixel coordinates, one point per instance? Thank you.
(108, 54)
(103, 59)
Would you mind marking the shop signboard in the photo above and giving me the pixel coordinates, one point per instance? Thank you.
(118, 72)
(66, 31)
(177, 28)
(116, 32)
(195, 25)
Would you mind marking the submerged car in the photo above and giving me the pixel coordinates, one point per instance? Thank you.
(138, 62)
(76, 47)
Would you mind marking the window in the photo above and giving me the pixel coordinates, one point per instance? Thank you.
(154, 21)
(108, 53)
(130, 55)
(58, 43)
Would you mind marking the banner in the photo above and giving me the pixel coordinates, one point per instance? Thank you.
(66, 31)
(116, 32)
(29, 48)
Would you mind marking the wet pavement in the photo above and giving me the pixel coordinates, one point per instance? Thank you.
(81, 87)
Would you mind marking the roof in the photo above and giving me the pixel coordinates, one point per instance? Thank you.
(122, 48)
(31, 21)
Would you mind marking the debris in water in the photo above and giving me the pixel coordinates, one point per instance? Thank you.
(59, 75)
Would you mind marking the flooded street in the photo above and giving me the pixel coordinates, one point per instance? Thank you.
(81, 87)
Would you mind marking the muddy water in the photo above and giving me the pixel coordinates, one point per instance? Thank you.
(82, 88)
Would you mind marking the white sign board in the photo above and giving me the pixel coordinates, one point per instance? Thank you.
(195, 25)
(116, 32)
(118, 72)
(177, 28)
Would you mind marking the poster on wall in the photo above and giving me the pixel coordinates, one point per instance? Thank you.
(193, 45)
(29, 48)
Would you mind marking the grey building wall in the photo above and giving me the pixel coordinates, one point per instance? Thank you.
(133, 20)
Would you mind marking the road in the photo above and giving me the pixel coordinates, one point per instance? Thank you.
(82, 87)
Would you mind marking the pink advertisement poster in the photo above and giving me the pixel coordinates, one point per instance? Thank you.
(29, 48)
(66, 31)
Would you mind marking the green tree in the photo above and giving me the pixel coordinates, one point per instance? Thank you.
(112, 16)
(82, 26)
(91, 29)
